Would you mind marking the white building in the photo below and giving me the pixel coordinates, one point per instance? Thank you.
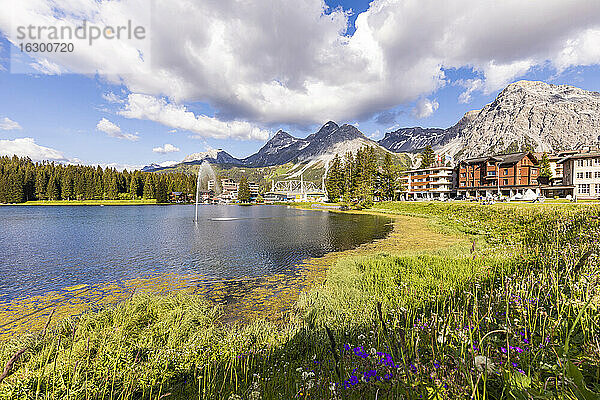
(581, 172)
(435, 183)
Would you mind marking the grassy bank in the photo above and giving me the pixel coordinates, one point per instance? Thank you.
(512, 315)
(86, 202)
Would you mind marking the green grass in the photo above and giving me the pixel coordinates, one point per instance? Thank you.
(513, 316)
(87, 202)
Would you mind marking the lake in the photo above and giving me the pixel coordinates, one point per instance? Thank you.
(48, 248)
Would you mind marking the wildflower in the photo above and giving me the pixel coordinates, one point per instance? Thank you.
(503, 349)
(482, 363)
(359, 351)
(436, 365)
(351, 382)
(254, 395)
(306, 375)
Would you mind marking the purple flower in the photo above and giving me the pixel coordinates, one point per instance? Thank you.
(517, 349)
(351, 382)
(359, 351)
(436, 365)
(503, 349)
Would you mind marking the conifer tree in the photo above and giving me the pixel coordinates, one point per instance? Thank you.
(161, 191)
(66, 186)
(427, 157)
(133, 187)
(546, 170)
(388, 178)
(41, 183)
(52, 191)
(148, 188)
(334, 181)
(15, 194)
(243, 190)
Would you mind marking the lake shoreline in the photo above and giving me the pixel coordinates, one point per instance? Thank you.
(391, 319)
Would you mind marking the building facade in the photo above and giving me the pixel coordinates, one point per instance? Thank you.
(581, 173)
(500, 175)
(434, 183)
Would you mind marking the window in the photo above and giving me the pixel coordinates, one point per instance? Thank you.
(580, 175)
(597, 175)
(580, 163)
(588, 175)
(506, 171)
(463, 175)
(505, 181)
(584, 188)
(597, 161)
(598, 189)
(534, 172)
(491, 173)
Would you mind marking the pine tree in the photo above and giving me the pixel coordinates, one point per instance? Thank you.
(427, 157)
(334, 181)
(15, 194)
(546, 170)
(66, 186)
(41, 183)
(133, 187)
(148, 188)
(161, 191)
(388, 178)
(243, 191)
(52, 191)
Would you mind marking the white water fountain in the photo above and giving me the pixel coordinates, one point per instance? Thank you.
(205, 174)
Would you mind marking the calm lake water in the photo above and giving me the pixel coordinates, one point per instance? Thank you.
(48, 248)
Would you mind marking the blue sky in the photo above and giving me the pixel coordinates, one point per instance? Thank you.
(63, 111)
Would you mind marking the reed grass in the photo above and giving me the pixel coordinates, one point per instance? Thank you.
(515, 315)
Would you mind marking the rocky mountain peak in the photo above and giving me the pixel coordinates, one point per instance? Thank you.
(526, 115)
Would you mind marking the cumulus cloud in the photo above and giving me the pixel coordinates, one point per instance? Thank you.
(424, 108)
(6, 124)
(177, 116)
(26, 147)
(471, 85)
(167, 148)
(112, 98)
(113, 130)
(293, 62)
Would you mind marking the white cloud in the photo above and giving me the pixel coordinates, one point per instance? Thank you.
(46, 67)
(424, 108)
(26, 147)
(6, 124)
(177, 116)
(471, 85)
(292, 62)
(167, 148)
(121, 167)
(113, 130)
(112, 98)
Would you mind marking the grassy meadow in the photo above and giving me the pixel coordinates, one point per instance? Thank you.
(507, 307)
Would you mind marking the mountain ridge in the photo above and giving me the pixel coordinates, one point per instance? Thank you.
(526, 115)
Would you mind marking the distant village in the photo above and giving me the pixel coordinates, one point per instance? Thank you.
(526, 176)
